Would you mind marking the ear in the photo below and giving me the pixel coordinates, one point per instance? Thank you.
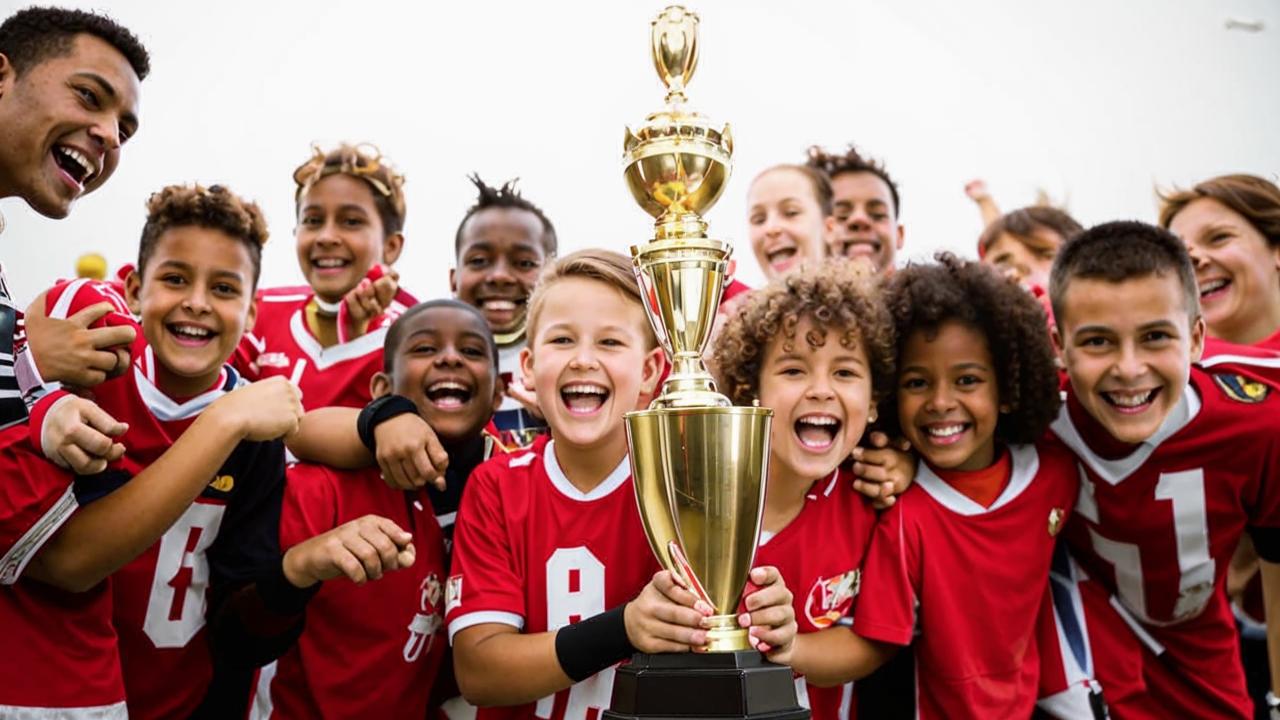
(252, 317)
(380, 384)
(391, 247)
(499, 390)
(829, 226)
(453, 281)
(654, 362)
(1059, 349)
(872, 416)
(902, 235)
(8, 75)
(1197, 338)
(526, 367)
(133, 292)
(1005, 408)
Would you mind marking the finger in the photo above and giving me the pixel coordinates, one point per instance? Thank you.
(394, 532)
(413, 479)
(765, 575)
(872, 473)
(872, 456)
(407, 556)
(111, 336)
(88, 316)
(376, 537)
(367, 554)
(80, 462)
(394, 475)
(351, 567)
(677, 616)
(767, 619)
(115, 453)
(664, 582)
(384, 289)
(878, 439)
(100, 420)
(103, 360)
(89, 440)
(775, 637)
(885, 503)
(775, 595)
(435, 452)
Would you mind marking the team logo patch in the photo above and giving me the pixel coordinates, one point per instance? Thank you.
(831, 598)
(223, 483)
(1242, 389)
(273, 359)
(425, 623)
(452, 593)
(1056, 516)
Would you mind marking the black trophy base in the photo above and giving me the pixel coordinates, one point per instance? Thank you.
(711, 685)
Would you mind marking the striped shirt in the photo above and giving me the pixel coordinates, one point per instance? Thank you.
(12, 409)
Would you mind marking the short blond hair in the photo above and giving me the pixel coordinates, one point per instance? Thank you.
(604, 266)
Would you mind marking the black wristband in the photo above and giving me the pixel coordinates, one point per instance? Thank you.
(281, 596)
(379, 411)
(589, 646)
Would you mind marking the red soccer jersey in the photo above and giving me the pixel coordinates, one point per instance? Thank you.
(818, 555)
(1157, 529)
(60, 648)
(534, 552)
(971, 581)
(386, 634)
(281, 344)
(161, 598)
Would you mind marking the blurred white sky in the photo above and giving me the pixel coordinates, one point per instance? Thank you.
(1095, 101)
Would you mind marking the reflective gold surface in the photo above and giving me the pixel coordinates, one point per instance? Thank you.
(698, 464)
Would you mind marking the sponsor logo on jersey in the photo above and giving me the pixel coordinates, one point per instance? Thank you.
(831, 598)
(223, 483)
(1056, 516)
(273, 359)
(1242, 389)
(452, 593)
(426, 622)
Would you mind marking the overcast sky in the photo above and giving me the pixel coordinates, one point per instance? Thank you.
(1095, 101)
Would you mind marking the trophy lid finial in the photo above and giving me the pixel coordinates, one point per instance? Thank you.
(675, 50)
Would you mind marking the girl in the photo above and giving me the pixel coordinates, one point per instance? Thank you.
(817, 347)
(789, 217)
(327, 337)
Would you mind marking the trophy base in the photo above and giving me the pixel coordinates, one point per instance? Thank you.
(712, 685)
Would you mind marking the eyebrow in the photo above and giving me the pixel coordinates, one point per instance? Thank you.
(188, 267)
(342, 207)
(110, 91)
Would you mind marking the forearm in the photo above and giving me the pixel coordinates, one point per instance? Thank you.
(988, 209)
(509, 668)
(103, 536)
(836, 656)
(1271, 596)
(328, 436)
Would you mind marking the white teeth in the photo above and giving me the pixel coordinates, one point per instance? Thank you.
(1208, 287)
(1130, 399)
(447, 385)
(585, 390)
(81, 160)
(329, 262)
(499, 305)
(818, 420)
(945, 430)
(191, 331)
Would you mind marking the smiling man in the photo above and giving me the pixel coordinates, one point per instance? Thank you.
(865, 207)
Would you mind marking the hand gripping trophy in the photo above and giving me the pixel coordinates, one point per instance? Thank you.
(698, 463)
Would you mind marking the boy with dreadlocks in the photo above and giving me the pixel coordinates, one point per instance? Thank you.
(501, 245)
(326, 337)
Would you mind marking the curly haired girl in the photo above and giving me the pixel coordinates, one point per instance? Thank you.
(976, 391)
(816, 347)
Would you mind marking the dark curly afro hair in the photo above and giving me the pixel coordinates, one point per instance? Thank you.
(922, 297)
(838, 296)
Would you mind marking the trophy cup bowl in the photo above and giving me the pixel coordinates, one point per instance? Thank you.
(677, 164)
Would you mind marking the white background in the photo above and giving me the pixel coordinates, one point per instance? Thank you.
(1096, 101)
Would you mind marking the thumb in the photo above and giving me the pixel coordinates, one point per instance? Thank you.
(406, 556)
(88, 316)
(100, 420)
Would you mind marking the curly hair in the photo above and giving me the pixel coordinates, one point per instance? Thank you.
(506, 196)
(1255, 199)
(214, 208)
(853, 162)
(921, 297)
(362, 162)
(837, 296)
(35, 34)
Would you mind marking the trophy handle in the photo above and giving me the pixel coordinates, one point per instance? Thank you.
(684, 572)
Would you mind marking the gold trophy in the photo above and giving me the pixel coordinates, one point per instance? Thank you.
(698, 463)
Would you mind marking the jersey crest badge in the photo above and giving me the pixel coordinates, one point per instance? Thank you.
(1056, 516)
(425, 623)
(223, 483)
(273, 359)
(452, 593)
(1242, 389)
(831, 598)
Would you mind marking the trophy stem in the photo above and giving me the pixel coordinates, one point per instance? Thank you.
(724, 635)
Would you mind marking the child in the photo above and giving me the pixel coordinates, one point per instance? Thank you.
(327, 338)
(976, 390)
(1175, 461)
(789, 217)
(441, 360)
(1022, 243)
(865, 206)
(817, 348)
(549, 545)
(501, 245)
(197, 266)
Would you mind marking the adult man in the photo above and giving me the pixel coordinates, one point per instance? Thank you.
(865, 207)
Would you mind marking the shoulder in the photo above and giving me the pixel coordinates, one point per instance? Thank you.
(1225, 395)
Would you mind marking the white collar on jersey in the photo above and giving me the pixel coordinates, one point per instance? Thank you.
(1025, 462)
(612, 482)
(1113, 471)
(324, 357)
(166, 408)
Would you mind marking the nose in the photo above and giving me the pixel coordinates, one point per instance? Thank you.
(858, 218)
(584, 358)
(448, 357)
(772, 225)
(1198, 258)
(500, 272)
(941, 399)
(106, 133)
(197, 298)
(820, 388)
(1129, 365)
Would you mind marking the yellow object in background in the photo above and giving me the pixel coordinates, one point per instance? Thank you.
(92, 266)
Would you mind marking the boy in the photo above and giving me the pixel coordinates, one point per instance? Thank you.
(197, 267)
(440, 360)
(1175, 462)
(326, 337)
(501, 245)
(866, 207)
(549, 538)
